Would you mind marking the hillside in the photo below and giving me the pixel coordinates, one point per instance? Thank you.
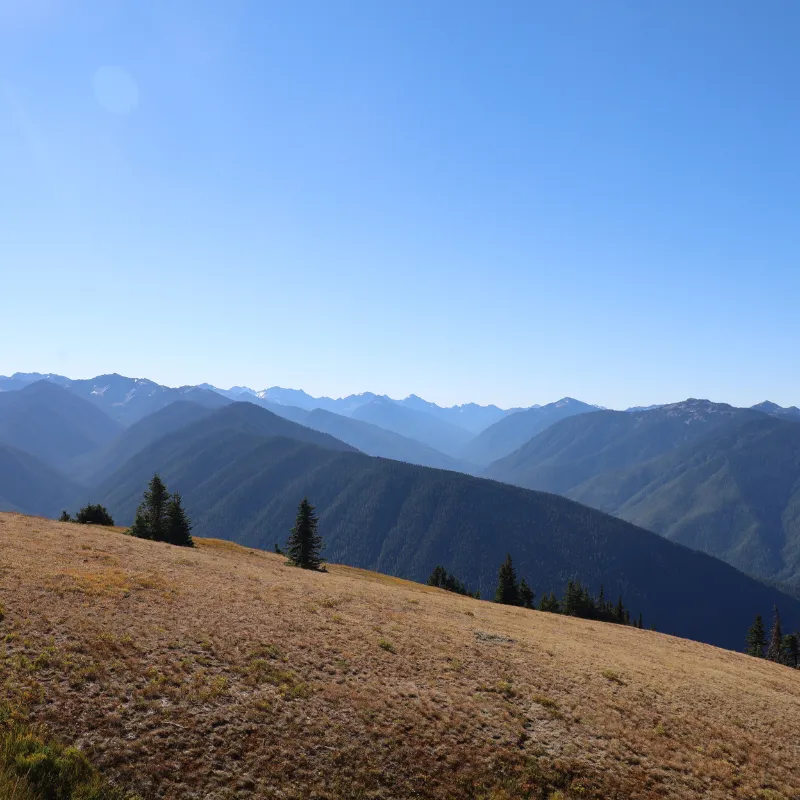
(403, 520)
(512, 431)
(49, 422)
(100, 463)
(364, 436)
(414, 424)
(31, 486)
(735, 495)
(576, 449)
(220, 672)
(376, 441)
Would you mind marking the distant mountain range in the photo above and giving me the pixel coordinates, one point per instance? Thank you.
(123, 399)
(719, 479)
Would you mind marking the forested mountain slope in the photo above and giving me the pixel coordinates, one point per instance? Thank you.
(30, 486)
(576, 449)
(515, 429)
(414, 424)
(735, 495)
(51, 423)
(98, 464)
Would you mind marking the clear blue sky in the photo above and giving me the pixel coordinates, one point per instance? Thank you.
(491, 201)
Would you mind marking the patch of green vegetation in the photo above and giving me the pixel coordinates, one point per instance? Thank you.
(385, 644)
(614, 677)
(263, 671)
(32, 767)
(548, 704)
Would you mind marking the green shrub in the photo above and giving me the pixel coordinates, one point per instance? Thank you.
(33, 768)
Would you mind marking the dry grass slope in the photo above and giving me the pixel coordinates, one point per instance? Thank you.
(221, 673)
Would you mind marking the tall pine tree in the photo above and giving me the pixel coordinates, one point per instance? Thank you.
(507, 586)
(304, 547)
(775, 638)
(178, 527)
(151, 516)
(755, 638)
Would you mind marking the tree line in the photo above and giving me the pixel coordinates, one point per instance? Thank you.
(780, 648)
(577, 600)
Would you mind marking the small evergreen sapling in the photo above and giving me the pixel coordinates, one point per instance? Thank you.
(65, 517)
(304, 547)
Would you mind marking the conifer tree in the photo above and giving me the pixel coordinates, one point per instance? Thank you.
(755, 638)
(151, 516)
(549, 602)
(65, 517)
(775, 638)
(791, 650)
(305, 544)
(438, 577)
(569, 603)
(178, 526)
(526, 594)
(639, 625)
(507, 586)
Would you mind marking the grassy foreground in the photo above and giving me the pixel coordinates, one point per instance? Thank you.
(219, 672)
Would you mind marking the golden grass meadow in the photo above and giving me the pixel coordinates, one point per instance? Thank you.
(220, 672)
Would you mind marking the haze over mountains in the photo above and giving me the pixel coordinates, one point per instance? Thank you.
(718, 479)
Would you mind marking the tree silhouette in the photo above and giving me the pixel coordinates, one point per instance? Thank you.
(178, 526)
(775, 638)
(755, 638)
(304, 547)
(507, 586)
